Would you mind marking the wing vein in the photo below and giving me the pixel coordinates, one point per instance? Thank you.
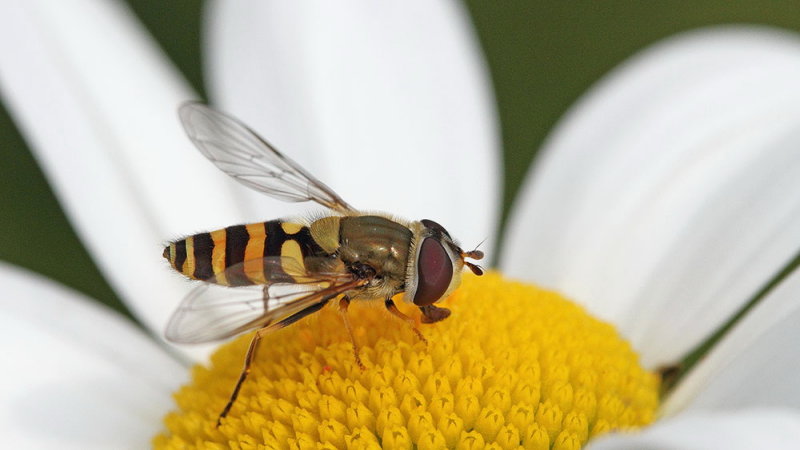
(251, 160)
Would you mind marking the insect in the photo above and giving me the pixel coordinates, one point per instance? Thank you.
(265, 276)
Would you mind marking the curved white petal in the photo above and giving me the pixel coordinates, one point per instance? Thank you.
(732, 430)
(76, 375)
(661, 202)
(756, 364)
(97, 102)
(388, 103)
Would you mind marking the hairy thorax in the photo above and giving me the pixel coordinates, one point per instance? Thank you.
(374, 243)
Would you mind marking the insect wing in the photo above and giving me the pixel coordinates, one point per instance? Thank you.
(241, 153)
(212, 312)
(271, 270)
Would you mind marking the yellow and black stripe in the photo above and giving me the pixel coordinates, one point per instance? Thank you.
(233, 256)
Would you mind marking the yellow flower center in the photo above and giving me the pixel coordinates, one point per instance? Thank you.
(512, 366)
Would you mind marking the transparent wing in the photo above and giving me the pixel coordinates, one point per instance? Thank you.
(212, 312)
(283, 269)
(248, 158)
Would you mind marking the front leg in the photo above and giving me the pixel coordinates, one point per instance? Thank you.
(389, 303)
(433, 314)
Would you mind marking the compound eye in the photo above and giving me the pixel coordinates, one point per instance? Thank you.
(434, 226)
(434, 272)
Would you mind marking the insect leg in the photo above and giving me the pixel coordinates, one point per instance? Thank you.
(433, 314)
(396, 312)
(343, 304)
(251, 350)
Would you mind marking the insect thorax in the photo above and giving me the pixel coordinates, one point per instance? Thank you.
(374, 243)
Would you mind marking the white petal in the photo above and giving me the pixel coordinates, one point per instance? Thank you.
(661, 202)
(389, 104)
(97, 102)
(756, 364)
(76, 375)
(731, 430)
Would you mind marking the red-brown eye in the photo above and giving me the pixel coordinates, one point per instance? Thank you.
(434, 272)
(434, 226)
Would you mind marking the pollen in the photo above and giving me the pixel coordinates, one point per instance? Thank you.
(514, 366)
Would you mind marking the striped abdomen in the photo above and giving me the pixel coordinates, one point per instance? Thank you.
(233, 255)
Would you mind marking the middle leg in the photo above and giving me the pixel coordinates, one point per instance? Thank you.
(343, 304)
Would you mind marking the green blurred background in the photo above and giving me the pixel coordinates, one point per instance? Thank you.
(542, 56)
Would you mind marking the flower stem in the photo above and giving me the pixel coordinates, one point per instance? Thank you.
(672, 375)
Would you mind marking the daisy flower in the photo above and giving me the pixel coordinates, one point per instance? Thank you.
(661, 205)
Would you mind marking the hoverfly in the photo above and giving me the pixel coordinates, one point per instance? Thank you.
(294, 267)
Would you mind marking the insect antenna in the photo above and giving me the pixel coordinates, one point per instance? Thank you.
(476, 269)
(474, 254)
